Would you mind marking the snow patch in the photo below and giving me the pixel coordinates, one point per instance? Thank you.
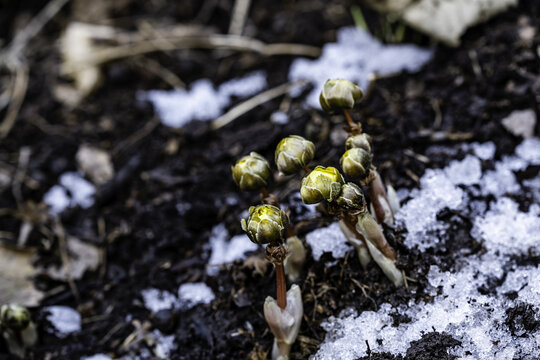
(459, 307)
(356, 56)
(328, 239)
(156, 300)
(192, 294)
(202, 101)
(224, 251)
(64, 319)
(73, 191)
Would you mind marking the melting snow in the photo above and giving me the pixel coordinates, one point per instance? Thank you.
(202, 102)
(458, 307)
(156, 300)
(355, 57)
(328, 239)
(191, 294)
(224, 251)
(64, 319)
(73, 190)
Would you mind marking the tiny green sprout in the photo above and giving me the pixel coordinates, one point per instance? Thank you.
(251, 172)
(337, 95)
(351, 198)
(14, 317)
(17, 329)
(355, 163)
(293, 153)
(360, 141)
(265, 224)
(321, 184)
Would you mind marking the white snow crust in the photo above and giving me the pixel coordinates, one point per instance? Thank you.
(225, 251)
(356, 56)
(73, 190)
(328, 239)
(458, 307)
(64, 319)
(202, 101)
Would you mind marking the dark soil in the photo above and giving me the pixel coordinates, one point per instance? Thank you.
(149, 244)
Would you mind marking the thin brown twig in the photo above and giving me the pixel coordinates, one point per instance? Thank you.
(20, 86)
(62, 244)
(239, 15)
(136, 136)
(215, 41)
(253, 102)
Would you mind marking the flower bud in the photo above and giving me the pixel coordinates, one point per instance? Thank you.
(339, 94)
(293, 153)
(351, 197)
(321, 184)
(251, 172)
(14, 317)
(265, 224)
(355, 163)
(360, 141)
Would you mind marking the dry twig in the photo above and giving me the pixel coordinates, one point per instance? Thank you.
(253, 102)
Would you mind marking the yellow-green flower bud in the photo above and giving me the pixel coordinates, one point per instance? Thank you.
(251, 172)
(360, 141)
(351, 197)
(355, 163)
(293, 153)
(14, 317)
(339, 94)
(265, 224)
(321, 184)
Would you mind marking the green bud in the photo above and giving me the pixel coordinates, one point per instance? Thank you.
(293, 153)
(360, 141)
(251, 172)
(339, 94)
(265, 224)
(355, 163)
(351, 197)
(14, 317)
(321, 184)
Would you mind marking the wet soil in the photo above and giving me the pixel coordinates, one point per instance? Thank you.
(461, 95)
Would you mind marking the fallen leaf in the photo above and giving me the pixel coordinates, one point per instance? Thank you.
(82, 257)
(16, 274)
(444, 20)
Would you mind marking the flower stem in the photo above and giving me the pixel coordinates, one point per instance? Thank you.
(350, 121)
(281, 287)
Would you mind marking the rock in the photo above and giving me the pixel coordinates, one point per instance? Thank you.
(95, 163)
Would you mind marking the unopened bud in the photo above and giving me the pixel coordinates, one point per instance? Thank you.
(293, 153)
(355, 163)
(339, 94)
(321, 184)
(251, 172)
(265, 224)
(360, 141)
(14, 317)
(351, 197)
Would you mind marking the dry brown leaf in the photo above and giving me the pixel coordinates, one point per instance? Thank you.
(16, 273)
(82, 257)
